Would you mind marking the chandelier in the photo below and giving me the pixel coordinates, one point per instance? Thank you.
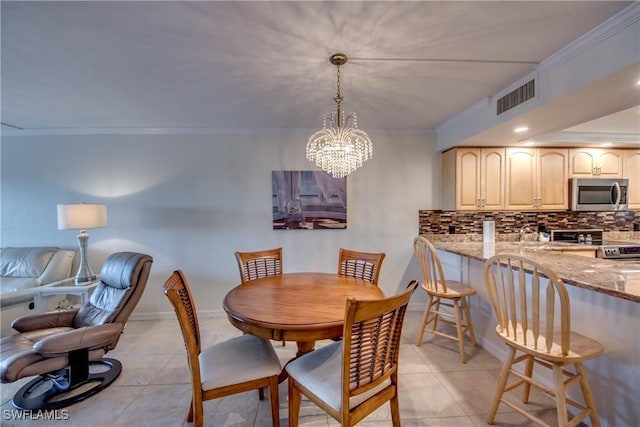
(339, 149)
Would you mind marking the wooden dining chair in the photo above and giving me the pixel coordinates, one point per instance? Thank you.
(444, 296)
(350, 379)
(532, 306)
(363, 265)
(259, 264)
(228, 367)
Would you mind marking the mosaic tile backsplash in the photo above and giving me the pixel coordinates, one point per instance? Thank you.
(507, 222)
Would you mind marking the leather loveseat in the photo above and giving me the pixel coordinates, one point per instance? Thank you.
(23, 268)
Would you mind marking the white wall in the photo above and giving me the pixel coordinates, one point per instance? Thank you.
(190, 201)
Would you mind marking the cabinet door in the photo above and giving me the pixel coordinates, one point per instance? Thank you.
(609, 164)
(553, 178)
(492, 166)
(582, 162)
(467, 178)
(631, 171)
(521, 179)
(595, 163)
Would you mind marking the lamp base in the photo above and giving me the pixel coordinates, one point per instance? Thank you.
(84, 274)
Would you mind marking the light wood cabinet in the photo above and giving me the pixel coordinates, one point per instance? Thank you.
(631, 171)
(536, 178)
(473, 179)
(595, 163)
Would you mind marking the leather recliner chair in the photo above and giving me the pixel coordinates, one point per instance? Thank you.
(66, 348)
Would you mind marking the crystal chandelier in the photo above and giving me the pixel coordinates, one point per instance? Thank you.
(339, 149)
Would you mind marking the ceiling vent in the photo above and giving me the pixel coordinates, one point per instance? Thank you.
(516, 97)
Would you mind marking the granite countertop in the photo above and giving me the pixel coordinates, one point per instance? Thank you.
(615, 278)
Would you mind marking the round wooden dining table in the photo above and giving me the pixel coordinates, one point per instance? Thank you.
(300, 307)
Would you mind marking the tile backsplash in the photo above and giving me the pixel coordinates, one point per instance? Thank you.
(507, 222)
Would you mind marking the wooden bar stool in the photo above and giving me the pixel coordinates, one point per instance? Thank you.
(443, 293)
(534, 319)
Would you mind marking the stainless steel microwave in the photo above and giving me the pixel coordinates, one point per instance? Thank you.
(598, 194)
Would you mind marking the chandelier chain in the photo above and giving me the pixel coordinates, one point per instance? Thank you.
(338, 97)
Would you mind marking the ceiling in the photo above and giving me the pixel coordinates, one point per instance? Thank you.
(247, 65)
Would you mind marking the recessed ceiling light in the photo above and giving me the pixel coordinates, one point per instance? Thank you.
(521, 129)
(606, 144)
(528, 143)
(638, 83)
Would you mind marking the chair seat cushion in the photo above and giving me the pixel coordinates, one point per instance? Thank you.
(237, 360)
(320, 372)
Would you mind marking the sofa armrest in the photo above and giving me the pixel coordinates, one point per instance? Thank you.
(87, 337)
(52, 319)
(58, 268)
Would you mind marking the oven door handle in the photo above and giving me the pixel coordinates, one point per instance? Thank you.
(615, 187)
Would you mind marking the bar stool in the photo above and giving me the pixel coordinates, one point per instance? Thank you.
(443, 293)
(534, 319)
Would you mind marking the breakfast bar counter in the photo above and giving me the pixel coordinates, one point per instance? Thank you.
(604, 296)
(620, 279)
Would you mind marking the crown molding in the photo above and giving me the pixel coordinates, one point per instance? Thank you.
(613, 25)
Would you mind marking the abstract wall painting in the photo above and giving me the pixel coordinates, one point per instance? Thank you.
(308, 200)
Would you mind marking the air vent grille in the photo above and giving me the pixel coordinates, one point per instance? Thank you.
(516, 97)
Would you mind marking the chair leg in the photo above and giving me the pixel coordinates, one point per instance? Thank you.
(261, 393)
(198, 413)
(294, 404)
(275, 403)
(526, 387)
(467, 314)
(502, 382)
(561, 399)
(463, 356)
(436, 313)
(586, 393)
(393, 403)
(425, 320)
(190, 413)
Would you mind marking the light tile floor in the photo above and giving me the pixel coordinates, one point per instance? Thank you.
(154, 387)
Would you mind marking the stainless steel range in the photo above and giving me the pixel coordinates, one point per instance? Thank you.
(608, 249)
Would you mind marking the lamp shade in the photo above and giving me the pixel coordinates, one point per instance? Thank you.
(81, 216)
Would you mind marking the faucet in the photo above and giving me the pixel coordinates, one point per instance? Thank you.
(523, 230)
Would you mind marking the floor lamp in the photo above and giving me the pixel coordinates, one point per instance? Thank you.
(81, 217)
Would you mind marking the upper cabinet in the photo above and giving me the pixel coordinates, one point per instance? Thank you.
(536, 178)
(595, 163)
(631, 171)
(529, 179)
(473, 179)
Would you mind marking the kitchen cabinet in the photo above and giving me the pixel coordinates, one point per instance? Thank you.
(473, 179)
(631, 171)
(536, 178)
(595, 163)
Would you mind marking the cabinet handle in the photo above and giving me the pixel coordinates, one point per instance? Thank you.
(478, 203)
(599, 170)
(595, 171)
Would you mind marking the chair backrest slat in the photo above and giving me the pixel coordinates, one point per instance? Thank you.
(371, 342)
(364, 265)
(527, 298)
(430, 265)
(176, 288)
(259, 264)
